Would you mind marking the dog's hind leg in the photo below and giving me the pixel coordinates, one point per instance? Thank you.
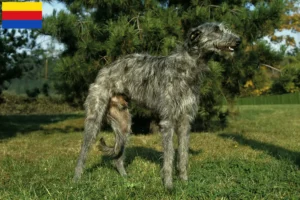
(120, 120)
(96, 108)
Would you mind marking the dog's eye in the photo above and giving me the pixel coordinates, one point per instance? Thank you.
(195, 34)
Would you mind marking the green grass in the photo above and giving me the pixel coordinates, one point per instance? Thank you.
(256, 157)
(290, 98)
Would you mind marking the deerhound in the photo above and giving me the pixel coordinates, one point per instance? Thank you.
(168, 85)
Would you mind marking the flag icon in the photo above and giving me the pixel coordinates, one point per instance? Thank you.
(27, 15)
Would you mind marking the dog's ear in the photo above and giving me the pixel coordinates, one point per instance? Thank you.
(195, 34)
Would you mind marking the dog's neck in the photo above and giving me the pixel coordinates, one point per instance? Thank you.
(193, 67)
(200, 60)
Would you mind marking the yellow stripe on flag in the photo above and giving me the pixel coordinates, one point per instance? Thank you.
(22, 6)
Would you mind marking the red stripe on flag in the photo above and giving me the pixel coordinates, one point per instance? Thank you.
(22, 15)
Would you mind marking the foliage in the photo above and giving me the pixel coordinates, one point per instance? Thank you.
(291, 21)
(210, 114)
(289, 81)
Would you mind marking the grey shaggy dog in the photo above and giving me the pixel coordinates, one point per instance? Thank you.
(168, 85)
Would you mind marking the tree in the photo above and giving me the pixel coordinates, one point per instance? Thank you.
(290, 21)
(289, 81)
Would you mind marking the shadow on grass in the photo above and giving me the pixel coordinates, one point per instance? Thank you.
(131, 153)
(145, 153)
(66, 129)
(13, 124)
(277, 152)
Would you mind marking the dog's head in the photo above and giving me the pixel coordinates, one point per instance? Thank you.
(212, 37)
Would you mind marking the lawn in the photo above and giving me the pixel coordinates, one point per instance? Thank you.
(256, 157)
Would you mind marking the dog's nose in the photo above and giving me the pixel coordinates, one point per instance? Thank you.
(238, 41)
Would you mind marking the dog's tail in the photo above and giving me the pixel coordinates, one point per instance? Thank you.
(116, 151)
(122, 130)
(120, 120)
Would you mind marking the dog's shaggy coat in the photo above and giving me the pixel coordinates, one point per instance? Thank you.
(168, 85)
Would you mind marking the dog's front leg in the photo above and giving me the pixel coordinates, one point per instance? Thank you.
(167, 130)
(183, 131)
